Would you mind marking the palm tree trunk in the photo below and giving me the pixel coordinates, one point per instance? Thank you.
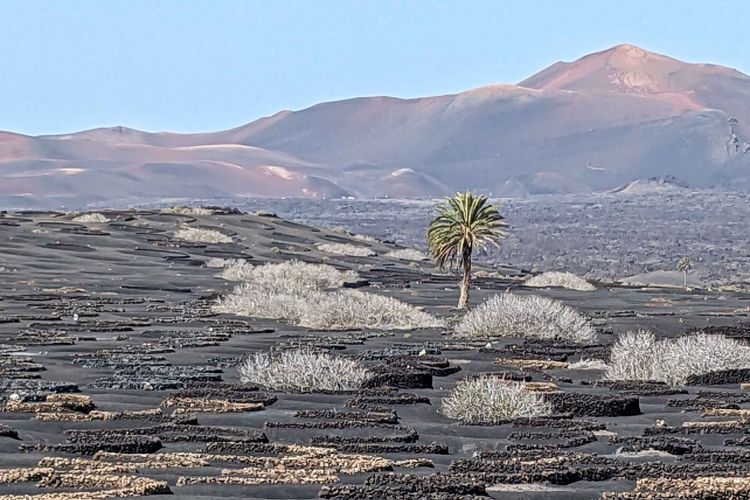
(684, 278)
(463, 300)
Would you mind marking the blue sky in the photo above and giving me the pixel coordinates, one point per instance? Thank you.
(185, 65)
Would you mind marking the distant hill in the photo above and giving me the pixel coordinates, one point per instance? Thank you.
(594, 124)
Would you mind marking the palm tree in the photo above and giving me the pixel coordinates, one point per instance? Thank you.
(684, 265)
(464, 223)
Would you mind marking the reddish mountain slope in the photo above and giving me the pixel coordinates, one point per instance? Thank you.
(629, 69)
(592, 124)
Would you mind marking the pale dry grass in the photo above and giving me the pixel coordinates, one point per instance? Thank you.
(307, 295)
(337, 310)
(187, 211)
(638, 355)
(526, 316)
(347, 249)
(200, 235)
(259, 302)
(296, 277)
(410, 254)
(364, 237)
(289, 279)
(492, 400)
(561, 280)
(237, 270)
(303, 371)
(91, 218)
(632, 356)
(352, 309)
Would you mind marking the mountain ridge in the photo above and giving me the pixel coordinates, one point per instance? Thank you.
(632, 113)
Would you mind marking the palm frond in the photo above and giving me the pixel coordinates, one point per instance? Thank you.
(463, 223)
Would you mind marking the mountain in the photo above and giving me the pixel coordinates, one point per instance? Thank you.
(593, 124)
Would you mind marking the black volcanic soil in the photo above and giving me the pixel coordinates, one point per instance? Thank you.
(116, 378)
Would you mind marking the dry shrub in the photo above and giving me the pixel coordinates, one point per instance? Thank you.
(295, 277)
(91, 218)
(352, 309)
(524, 316)
(346, 249)
(187, 211)
(632, 356)
(559, 279)
(639, 356)
(237, 270)
(492, 400)
(300, 293)
(406, 254)
(338, 310)
(303, 371)
(363, 237)
(200, 235)
(258, 302)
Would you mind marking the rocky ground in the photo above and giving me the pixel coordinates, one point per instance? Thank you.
(116, 379)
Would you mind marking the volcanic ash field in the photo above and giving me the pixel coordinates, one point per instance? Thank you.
(123, 342)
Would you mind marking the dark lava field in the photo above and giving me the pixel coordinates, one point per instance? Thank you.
(118, 380)
(599, 236)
